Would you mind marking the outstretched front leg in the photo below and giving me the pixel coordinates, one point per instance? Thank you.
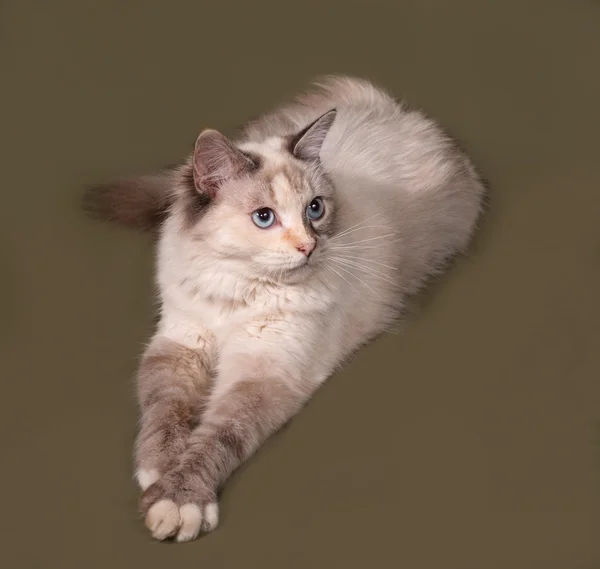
(255, 394)
(173, 384)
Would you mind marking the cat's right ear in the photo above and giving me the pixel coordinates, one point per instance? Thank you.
(217, 160)
(306, 145)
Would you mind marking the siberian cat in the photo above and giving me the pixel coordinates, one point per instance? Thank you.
(279, 255)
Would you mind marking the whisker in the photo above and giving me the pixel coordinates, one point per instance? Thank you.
(342, 233)
(360, 280)
(355, 245)
(341, 276)
(364, 227)
(337, 288)
(367, 270)
(358, 248)
(368, 261)
(334, 272)
(369, 239)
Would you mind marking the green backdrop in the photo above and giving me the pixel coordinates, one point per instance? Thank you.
(478, 425)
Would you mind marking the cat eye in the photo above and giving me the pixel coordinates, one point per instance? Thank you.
(263, 217)
(315, 209)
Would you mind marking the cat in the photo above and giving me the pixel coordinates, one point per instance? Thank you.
(279, 255)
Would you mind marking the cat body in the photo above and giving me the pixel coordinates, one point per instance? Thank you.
(279, 255)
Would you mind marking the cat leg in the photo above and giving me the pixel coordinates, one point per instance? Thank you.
(254, 396)
(173, 382)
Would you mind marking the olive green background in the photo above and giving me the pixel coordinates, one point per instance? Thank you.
(470, 441)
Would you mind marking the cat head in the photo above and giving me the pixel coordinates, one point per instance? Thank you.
(269, 204)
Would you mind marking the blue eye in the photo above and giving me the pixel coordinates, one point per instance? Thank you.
(263, 218)
(315, 210)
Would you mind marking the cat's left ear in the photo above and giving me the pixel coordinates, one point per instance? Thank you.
(217, 160)
(306, 145)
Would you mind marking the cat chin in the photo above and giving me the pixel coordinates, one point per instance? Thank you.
(293, 275)
(290, 268)
(298, 274)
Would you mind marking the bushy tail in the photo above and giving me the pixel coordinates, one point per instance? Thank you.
(139, 203)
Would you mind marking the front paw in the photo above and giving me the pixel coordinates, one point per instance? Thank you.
(179, 505)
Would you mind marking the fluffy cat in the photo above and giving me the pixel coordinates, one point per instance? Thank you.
(279, 255)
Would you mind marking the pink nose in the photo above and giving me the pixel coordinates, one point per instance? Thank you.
(307, 248)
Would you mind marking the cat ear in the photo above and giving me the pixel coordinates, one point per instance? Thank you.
(217, 160)
(306, 145)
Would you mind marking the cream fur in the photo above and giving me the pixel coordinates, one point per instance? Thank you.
(410, 195)
(250, 326)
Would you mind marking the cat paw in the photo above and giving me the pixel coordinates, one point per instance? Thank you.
(165, 519)
(146, 477)
(173, 510)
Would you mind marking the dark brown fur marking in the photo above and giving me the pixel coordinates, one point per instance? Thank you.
(195, 202)
(140, 203)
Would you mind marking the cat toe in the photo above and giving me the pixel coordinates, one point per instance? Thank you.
(163, 519)
(195, 519)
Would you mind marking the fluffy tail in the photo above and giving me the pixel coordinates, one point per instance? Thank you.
(139, 203)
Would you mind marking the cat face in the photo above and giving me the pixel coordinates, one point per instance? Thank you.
(277, 220)
(269, 206)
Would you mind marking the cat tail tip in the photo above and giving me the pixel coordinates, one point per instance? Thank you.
(140, 203)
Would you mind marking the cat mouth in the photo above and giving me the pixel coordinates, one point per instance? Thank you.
(297, 267)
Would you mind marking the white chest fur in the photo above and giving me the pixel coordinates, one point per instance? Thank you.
(204, 300)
